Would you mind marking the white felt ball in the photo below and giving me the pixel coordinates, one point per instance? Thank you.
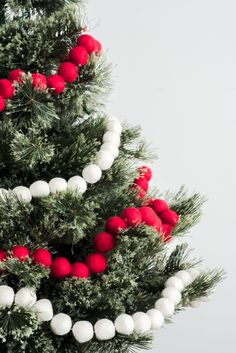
(157, 318)
(6, 296)
(44, 310)
(112, 137)
(175, 282)
(82, 331)
(173, 294)
(25, 297)
(142, 322)
(92, 173)
(3, 193)
(124, 324)
(165, 306)
(77, 183)
(195, 303)
(185, 277)
(110, 148)
(104, 159)
(114, 126)
(39, 189)
(61, 324)
(104, 330)
(57, 185)
(23, 193)
(194, 273)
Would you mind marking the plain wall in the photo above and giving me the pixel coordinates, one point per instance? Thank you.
(175, 75)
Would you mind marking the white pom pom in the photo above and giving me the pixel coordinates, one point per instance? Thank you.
(92, 174)
(77, 183)
(57, 185)
(157, 318)
(194, 273)
(142, 322)
(104, 330)
(104, 159)
(112, 137)
(39, 189)
(165, 306)
(185, 277)
(124, 324)
(195, 303)
(173, 294)
(25, 297)
(44, 310)
(3, 193)
(23, 194)
(175, 282)
(82, 331)
(110, 148)
(6, 296)
(61, 324)
(114, 126)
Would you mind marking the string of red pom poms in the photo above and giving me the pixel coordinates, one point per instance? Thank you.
(156, 215)
(66, 73)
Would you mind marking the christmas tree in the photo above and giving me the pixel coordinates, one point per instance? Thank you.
(85, 258)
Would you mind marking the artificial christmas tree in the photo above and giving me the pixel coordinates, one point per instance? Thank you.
(84, 242)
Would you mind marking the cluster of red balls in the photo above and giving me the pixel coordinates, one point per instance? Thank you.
(141, 184)
(67, 71)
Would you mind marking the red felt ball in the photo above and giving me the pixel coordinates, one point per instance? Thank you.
(96, 263)
(115, 224)
(6, 89)
(166, 229)
(145, 172)
(39, 81)
(42, 257)
(2, 104)
(98, 47)
(104, 242)
(3, 255)
(20, 252)
(60, 267)
(88, 42)
(140, 192)
(56, 83)
(78, 56)
(16, 75)
(150, 218)
(170, 217)
(132, 216)
(160, 206)
(79, 270)
(142, 183)
(68, 71)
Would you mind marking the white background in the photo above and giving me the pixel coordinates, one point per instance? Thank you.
(175, 75)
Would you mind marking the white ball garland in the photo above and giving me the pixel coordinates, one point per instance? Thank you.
(61, 324)
(83, 331)
(104, 330)
(104, 159)
(110, 148)
(112, 137)
(77, 183)
(156, 317)
(39, 189)
(6, 296)
(23, 194)
(194, 273)
(92, 173)
(44, 310)
(172, 294)
(185, 277)
(124, 324)
(142, 322)
(165, 306)
(57, 185)
(25, 297)
(175, 282)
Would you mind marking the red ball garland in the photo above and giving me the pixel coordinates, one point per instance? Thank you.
(20, 252)
(6, 89)
(132, 216)
(68, 71)
(16, 75)
(42, 257)
(104, 242)
(60, 267)
(170, 217)
(78, 56)
(142, 183)
(79, 270)
(140, 192)
(2, 104)
(56, 83)
(145, 172)
(115, 224)
(98, 47)
(3, 255)
(96, 263)
(159, 206)
(150, 218)
(39, 81)
(88, 42)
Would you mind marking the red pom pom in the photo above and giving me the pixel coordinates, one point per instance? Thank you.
(60, 267)
(2, 104)
(20, 252)
(88, 42)
(132, 216)
(79, 56)
(96, 263)
(56, 83)
(165, 232)
(140, 192)
(42, 257)
(104, 242)
(16, 75)
(98, 47)
(145, 172)
(170, 217)
(115, 224)
(39, 81)
(159, 206)
(142, 183)
(68, 71)
(150, 218)
(3, 255)
(6, 89)
(79, 270)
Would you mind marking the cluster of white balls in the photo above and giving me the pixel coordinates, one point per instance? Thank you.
(105, 329)
(91, 174)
